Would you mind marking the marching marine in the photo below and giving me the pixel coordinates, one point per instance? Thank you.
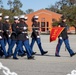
(2, 37)
(63, 38)
(7, 30)
(36, 35)
(13, 35)
(22, 38)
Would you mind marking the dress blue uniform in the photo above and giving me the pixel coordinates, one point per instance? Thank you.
(63, 38)
(13, 37)
(35, 35)
(2, 39)
(22, 38)
(7, 32)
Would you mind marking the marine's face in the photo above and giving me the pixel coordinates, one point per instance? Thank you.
(64, 20)
(36, 20)
(0, 18)
(7, 20)
(17, 21)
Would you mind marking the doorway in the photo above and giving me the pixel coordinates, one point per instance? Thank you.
(43, 26)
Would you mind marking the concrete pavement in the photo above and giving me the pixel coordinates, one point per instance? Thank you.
(47, 64)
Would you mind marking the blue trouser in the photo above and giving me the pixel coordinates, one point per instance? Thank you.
(26, 45)
(7, 40)
(21, 51)
(66, 42)
(38, 41)
(3, 47)
(13, 42)
(18, 47)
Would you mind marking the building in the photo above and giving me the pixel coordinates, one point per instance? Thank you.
(46, 18)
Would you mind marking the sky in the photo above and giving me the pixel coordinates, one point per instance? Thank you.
(33, 4)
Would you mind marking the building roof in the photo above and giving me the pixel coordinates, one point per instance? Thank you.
(53, 15)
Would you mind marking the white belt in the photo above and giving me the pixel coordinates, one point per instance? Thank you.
(0, 30)
(7, 30)
(24, 32)
(36, 30)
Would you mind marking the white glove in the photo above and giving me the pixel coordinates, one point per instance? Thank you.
(60, 37)
(27, 37)
(38, 36)
(0, 37)
(24, 28)
(9, 35)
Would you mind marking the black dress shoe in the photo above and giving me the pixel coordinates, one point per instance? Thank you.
(12, 54)
(15, 58)
(33, 53)
(23, 55)
(31, 57)
(57, 55)
(1, 55)
(73, 54)
(25, 51)
(6, 57)
(44, 52)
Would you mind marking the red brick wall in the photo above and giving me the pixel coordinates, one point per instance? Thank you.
(47, 15)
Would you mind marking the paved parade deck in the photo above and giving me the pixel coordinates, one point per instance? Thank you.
(47, 64)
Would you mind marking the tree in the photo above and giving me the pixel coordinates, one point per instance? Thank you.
(52, 8)
(72, 2)
(55, 23)
(10, 3)
(1, 4)
(68, 9)
(16, 7)
(29, 11)
(17, 4)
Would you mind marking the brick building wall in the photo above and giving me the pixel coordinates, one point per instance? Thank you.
(45, 19)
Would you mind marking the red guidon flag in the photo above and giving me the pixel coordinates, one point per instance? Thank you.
(55, 32)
